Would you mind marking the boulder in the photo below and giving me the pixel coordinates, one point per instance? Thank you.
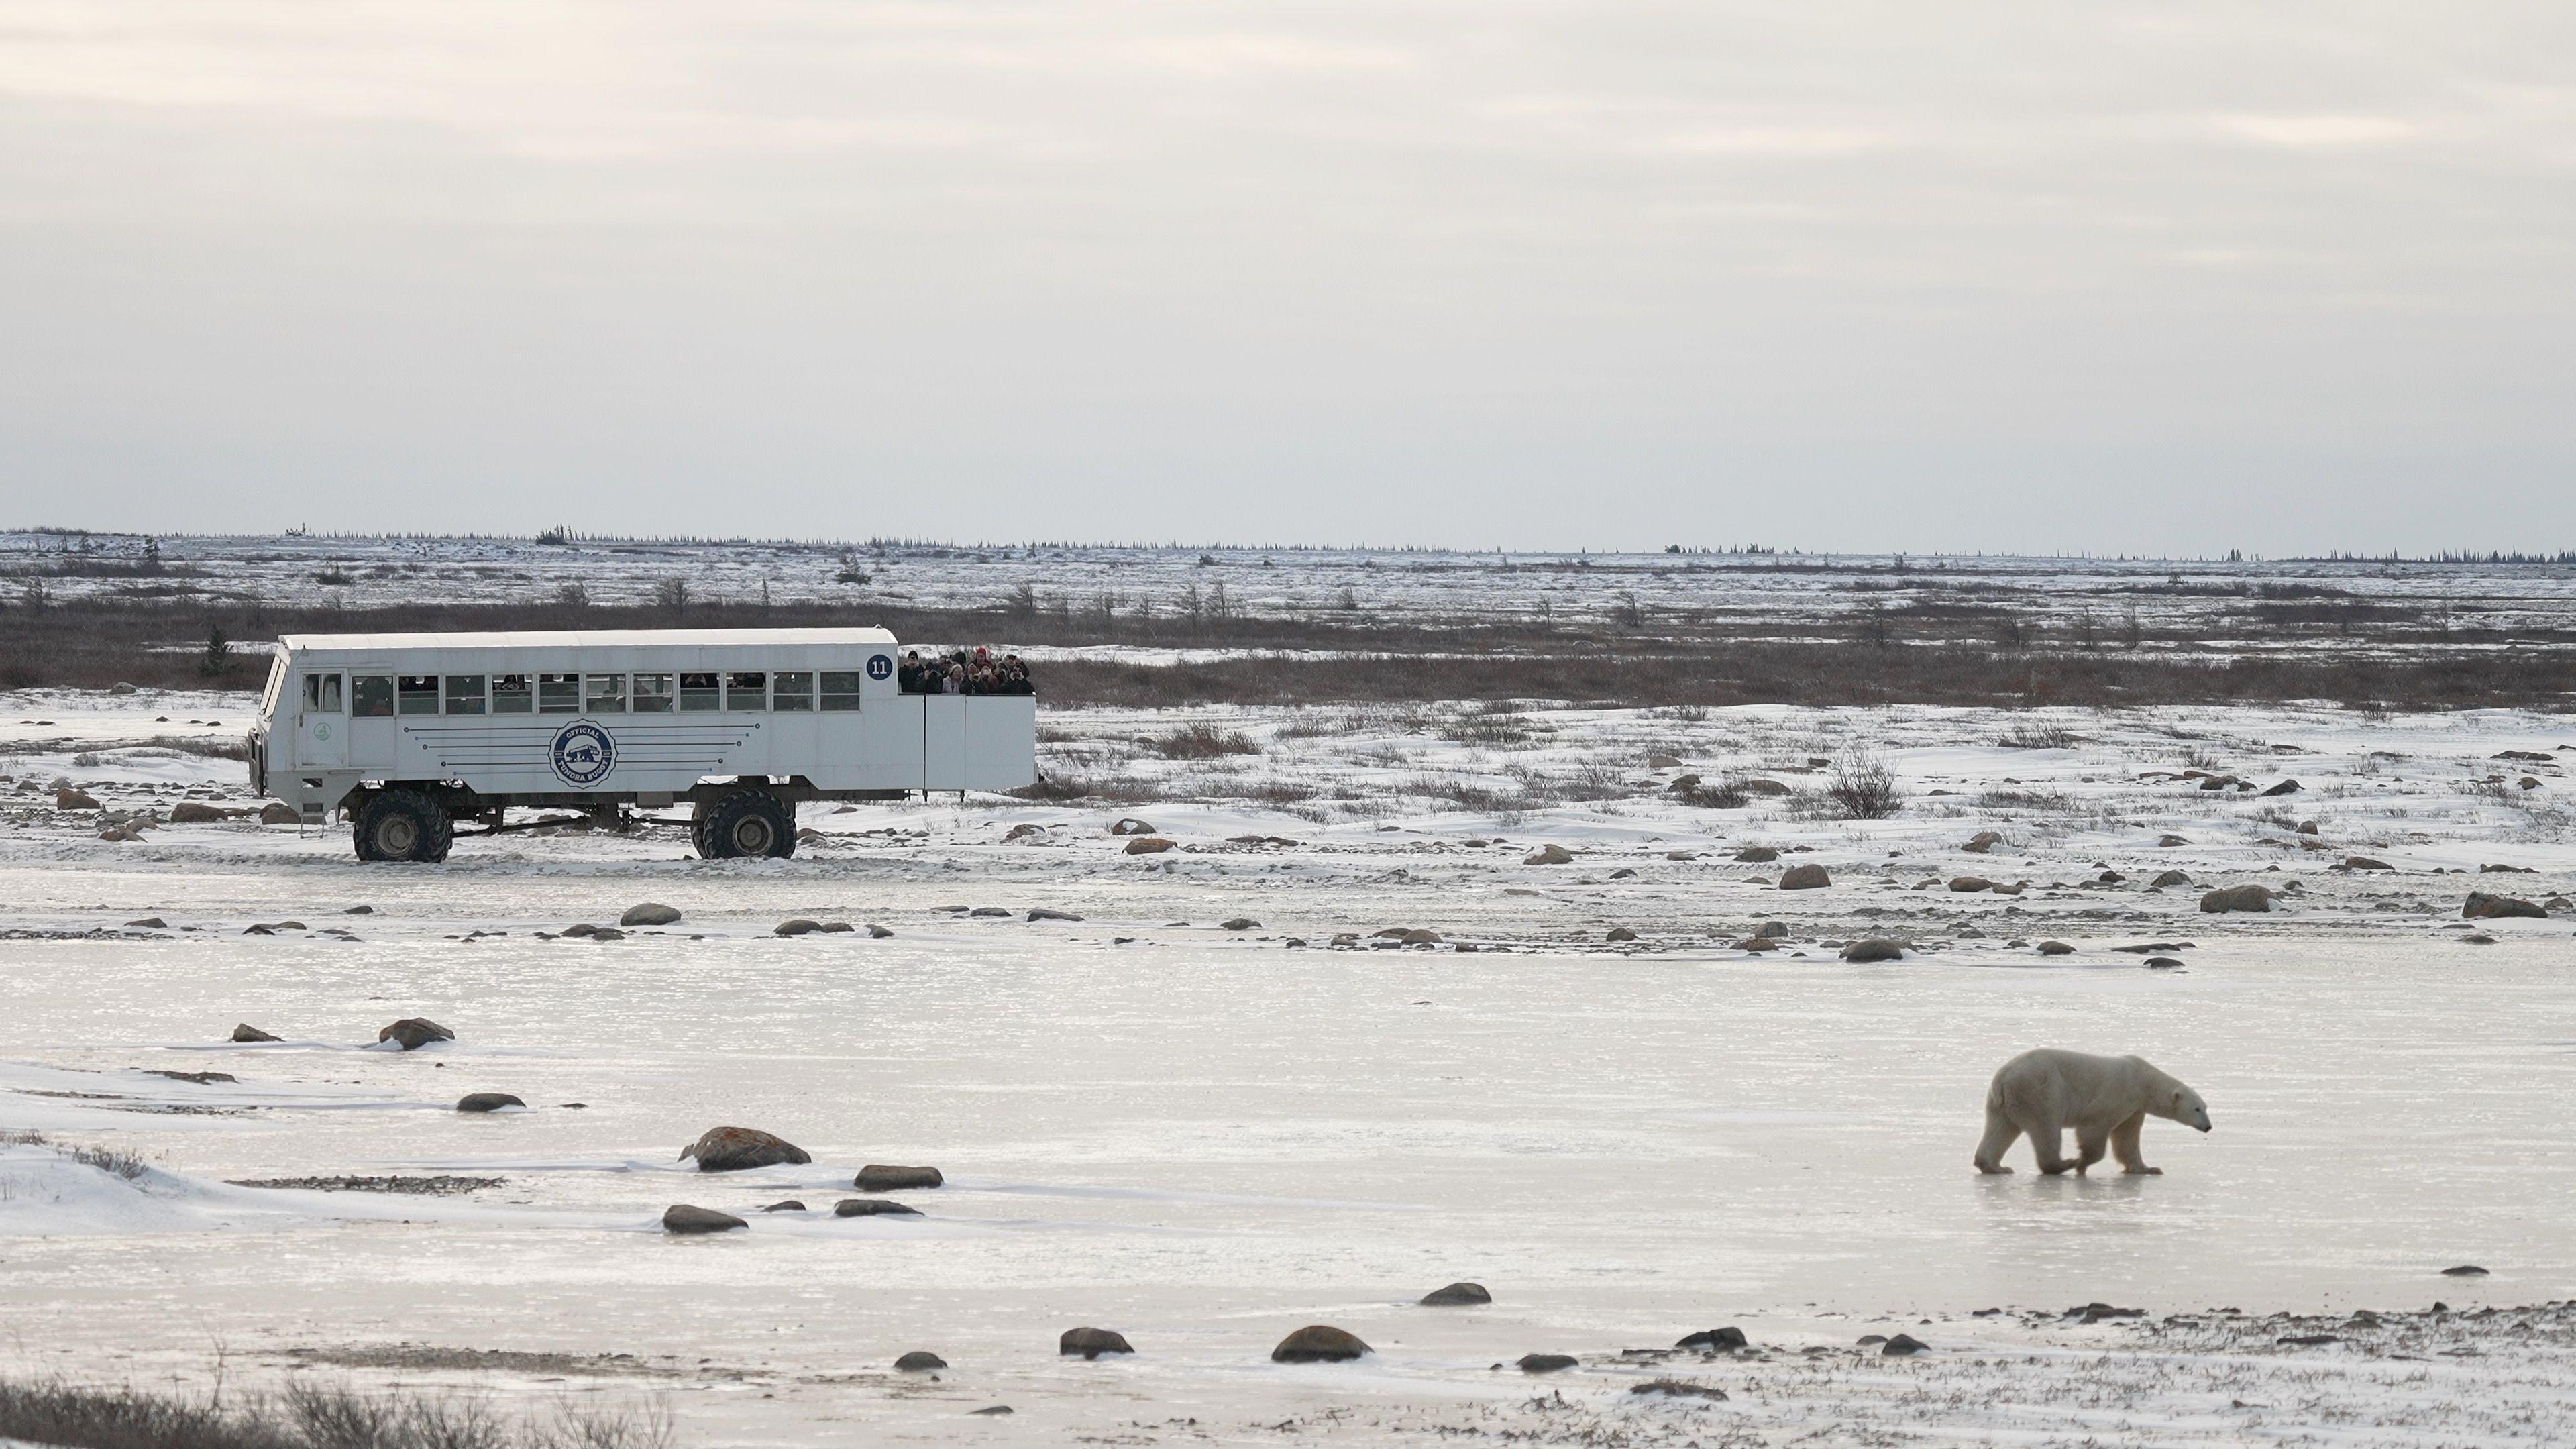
(876, 1177)
(1420, 937)
(1148, 845)
(649, 913)
(1131, 826)
(992, 912)
(1457, 1295)
(683, 1219)
(798, 927)
(1546, 1363)
(1970, 884)
(196, 812)
(1804, 878)
(277, 812)
(2364, 862)
(1756, 785)
(920, 1361)
(1022, 832)
(415, 1032)
(2286, 787)
(2171, 878)
(1239, 923)
(1663, 762)
(1758, 943)
(247, 1032)
(1876, 948)
(878, 933)
(148, 923)
(1549, 855)
(1318, 1343)
(2236, 898)
(2171, 840)
(733, 1149)
(791, 1205)
(1714, 1340)
(2055, 948)
(1041, 913)
(874, 1207)
(2484, 907)
(580, 931)
(1981, 842)
(1620, 933)
(1757, 855)
(1902, 1345)
(1091, 1343)
(487, 1102)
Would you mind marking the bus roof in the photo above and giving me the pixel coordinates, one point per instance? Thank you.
(586, 639)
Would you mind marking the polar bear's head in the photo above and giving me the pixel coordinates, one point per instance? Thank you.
(2188, 1109)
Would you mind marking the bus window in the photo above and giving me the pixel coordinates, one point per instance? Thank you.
(374, 696)
(558, 694)
(698, 691)
(747, 691)
(416, 694)
(321, 694)
(652, 694)
(604, 694)
(840, 690)
(793, 689)
(510, 694)
(465, 693)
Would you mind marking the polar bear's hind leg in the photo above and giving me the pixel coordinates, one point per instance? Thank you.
(2048, 1140)
(1998, 1140)
(2091, 1144)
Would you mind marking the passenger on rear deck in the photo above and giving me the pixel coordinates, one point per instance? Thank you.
(907, 676)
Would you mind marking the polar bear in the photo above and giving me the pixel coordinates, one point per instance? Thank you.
(2105, 1099)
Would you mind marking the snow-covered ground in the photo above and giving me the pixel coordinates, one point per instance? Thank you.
(1204, 1137)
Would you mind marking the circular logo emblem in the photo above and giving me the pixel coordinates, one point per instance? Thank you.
(322, 731)
(880, 666)
(583, 753)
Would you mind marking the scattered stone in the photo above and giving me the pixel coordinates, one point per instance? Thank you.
(2307, 1340)
(1714, 1340)
(487, 1102)
(989, 911)
(1876, 948)
(1676, 1388)
(68, 798)
(1982, 841)
(1804, 878)
(1549, 855)
(1131, 826)
(878, 933)
(415, 1032)
(1621, 933)
(991, 1410)
(2465, 1270)
(1041, 913)
(202, 1079)
(1662, 762)
(359, 911)
(2171, 840)
(920, 1361)
(2237, 898)
(1776, 929)
(2055, 948)
(2364, 862)
(874, 1207)
(1420, 937)
(148, 923)
(247, 1032)
(2171, 878)
(1971, 884)
(683, 1219)
(2162, 963)
(1758, 943)
(2100, 1312)
(1756, 785)
(1319, 1343)
(277, 812)
(1622, 873)
(1457, 1295)
(581, 932)
(649, 913)
(791, 1205)
(1901, 1345)
(196, 812)
(876, 1177)
(1022, 832)
(1148, 845)
(1546, 1363)
(1757, 855)
(1091, 1343)
(2484, 907)
(1681, 855)
(1239, 923)
(2286, 787)
(798, 927)
(733, 1149)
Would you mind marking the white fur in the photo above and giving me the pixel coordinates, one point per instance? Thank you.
(2105, 1099)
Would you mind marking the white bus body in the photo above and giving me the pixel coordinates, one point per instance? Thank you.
(406, 733)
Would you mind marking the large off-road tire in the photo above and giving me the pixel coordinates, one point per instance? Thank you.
(402, 825)
(748, 823)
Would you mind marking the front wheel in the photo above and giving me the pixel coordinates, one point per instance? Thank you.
(402, 825)
(748, 823)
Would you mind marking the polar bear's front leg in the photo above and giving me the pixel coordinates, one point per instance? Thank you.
(1998, 1140)
(2090, 1145)
(2124, 1145)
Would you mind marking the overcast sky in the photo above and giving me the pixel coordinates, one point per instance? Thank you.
(2149, 278)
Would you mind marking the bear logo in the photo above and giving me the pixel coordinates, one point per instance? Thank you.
(583, 753)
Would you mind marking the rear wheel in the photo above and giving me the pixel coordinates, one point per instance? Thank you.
(747, 823)
(402, 825)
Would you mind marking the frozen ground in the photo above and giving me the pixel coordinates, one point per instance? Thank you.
(1204, 1137)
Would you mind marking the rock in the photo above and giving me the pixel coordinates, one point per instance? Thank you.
(247, 1032)
(874, 1207)
(2171, 878)
(2465, 1270)
(733, 1149)
(876, 1177)
(487, 1102)
(1970, 884)
(2286, 787)
(2055, 948)
(798, 927)
(649, 913)
(1131, 826)
(196, 812)
(1901, 1345)
(1876, 948)
(277, 812)
(2237, 898)
(994, 912)
(68, 798)
(2364, 862)
(359, 911)
(1041, 913)
(202, 1079)
(791, 1205)
(1681, 855)
(1981, 842)
(1623, 873)
(2170, 840)
(682, 1218)
(1804, 878)
(1546, 1363)
(1662, 762)
(1420, 937)
(607, 933)
(1549, 855)
(2484, 907)
(415, 1032)
(990, 1409)
(1775, 929)
(580, 931)
(1675, 1388)
(1620, 933)
(1318, 1343)
(1148, 845)
(1457, 1295)
(1757, 855)
(878, 933)
(1022, 832)
(120, 687)
(1091, 1343)
(1239, 923)
(1715, 1340)
(920, 1361)
(1756, 785)
(1758, 943)
(148, 923)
